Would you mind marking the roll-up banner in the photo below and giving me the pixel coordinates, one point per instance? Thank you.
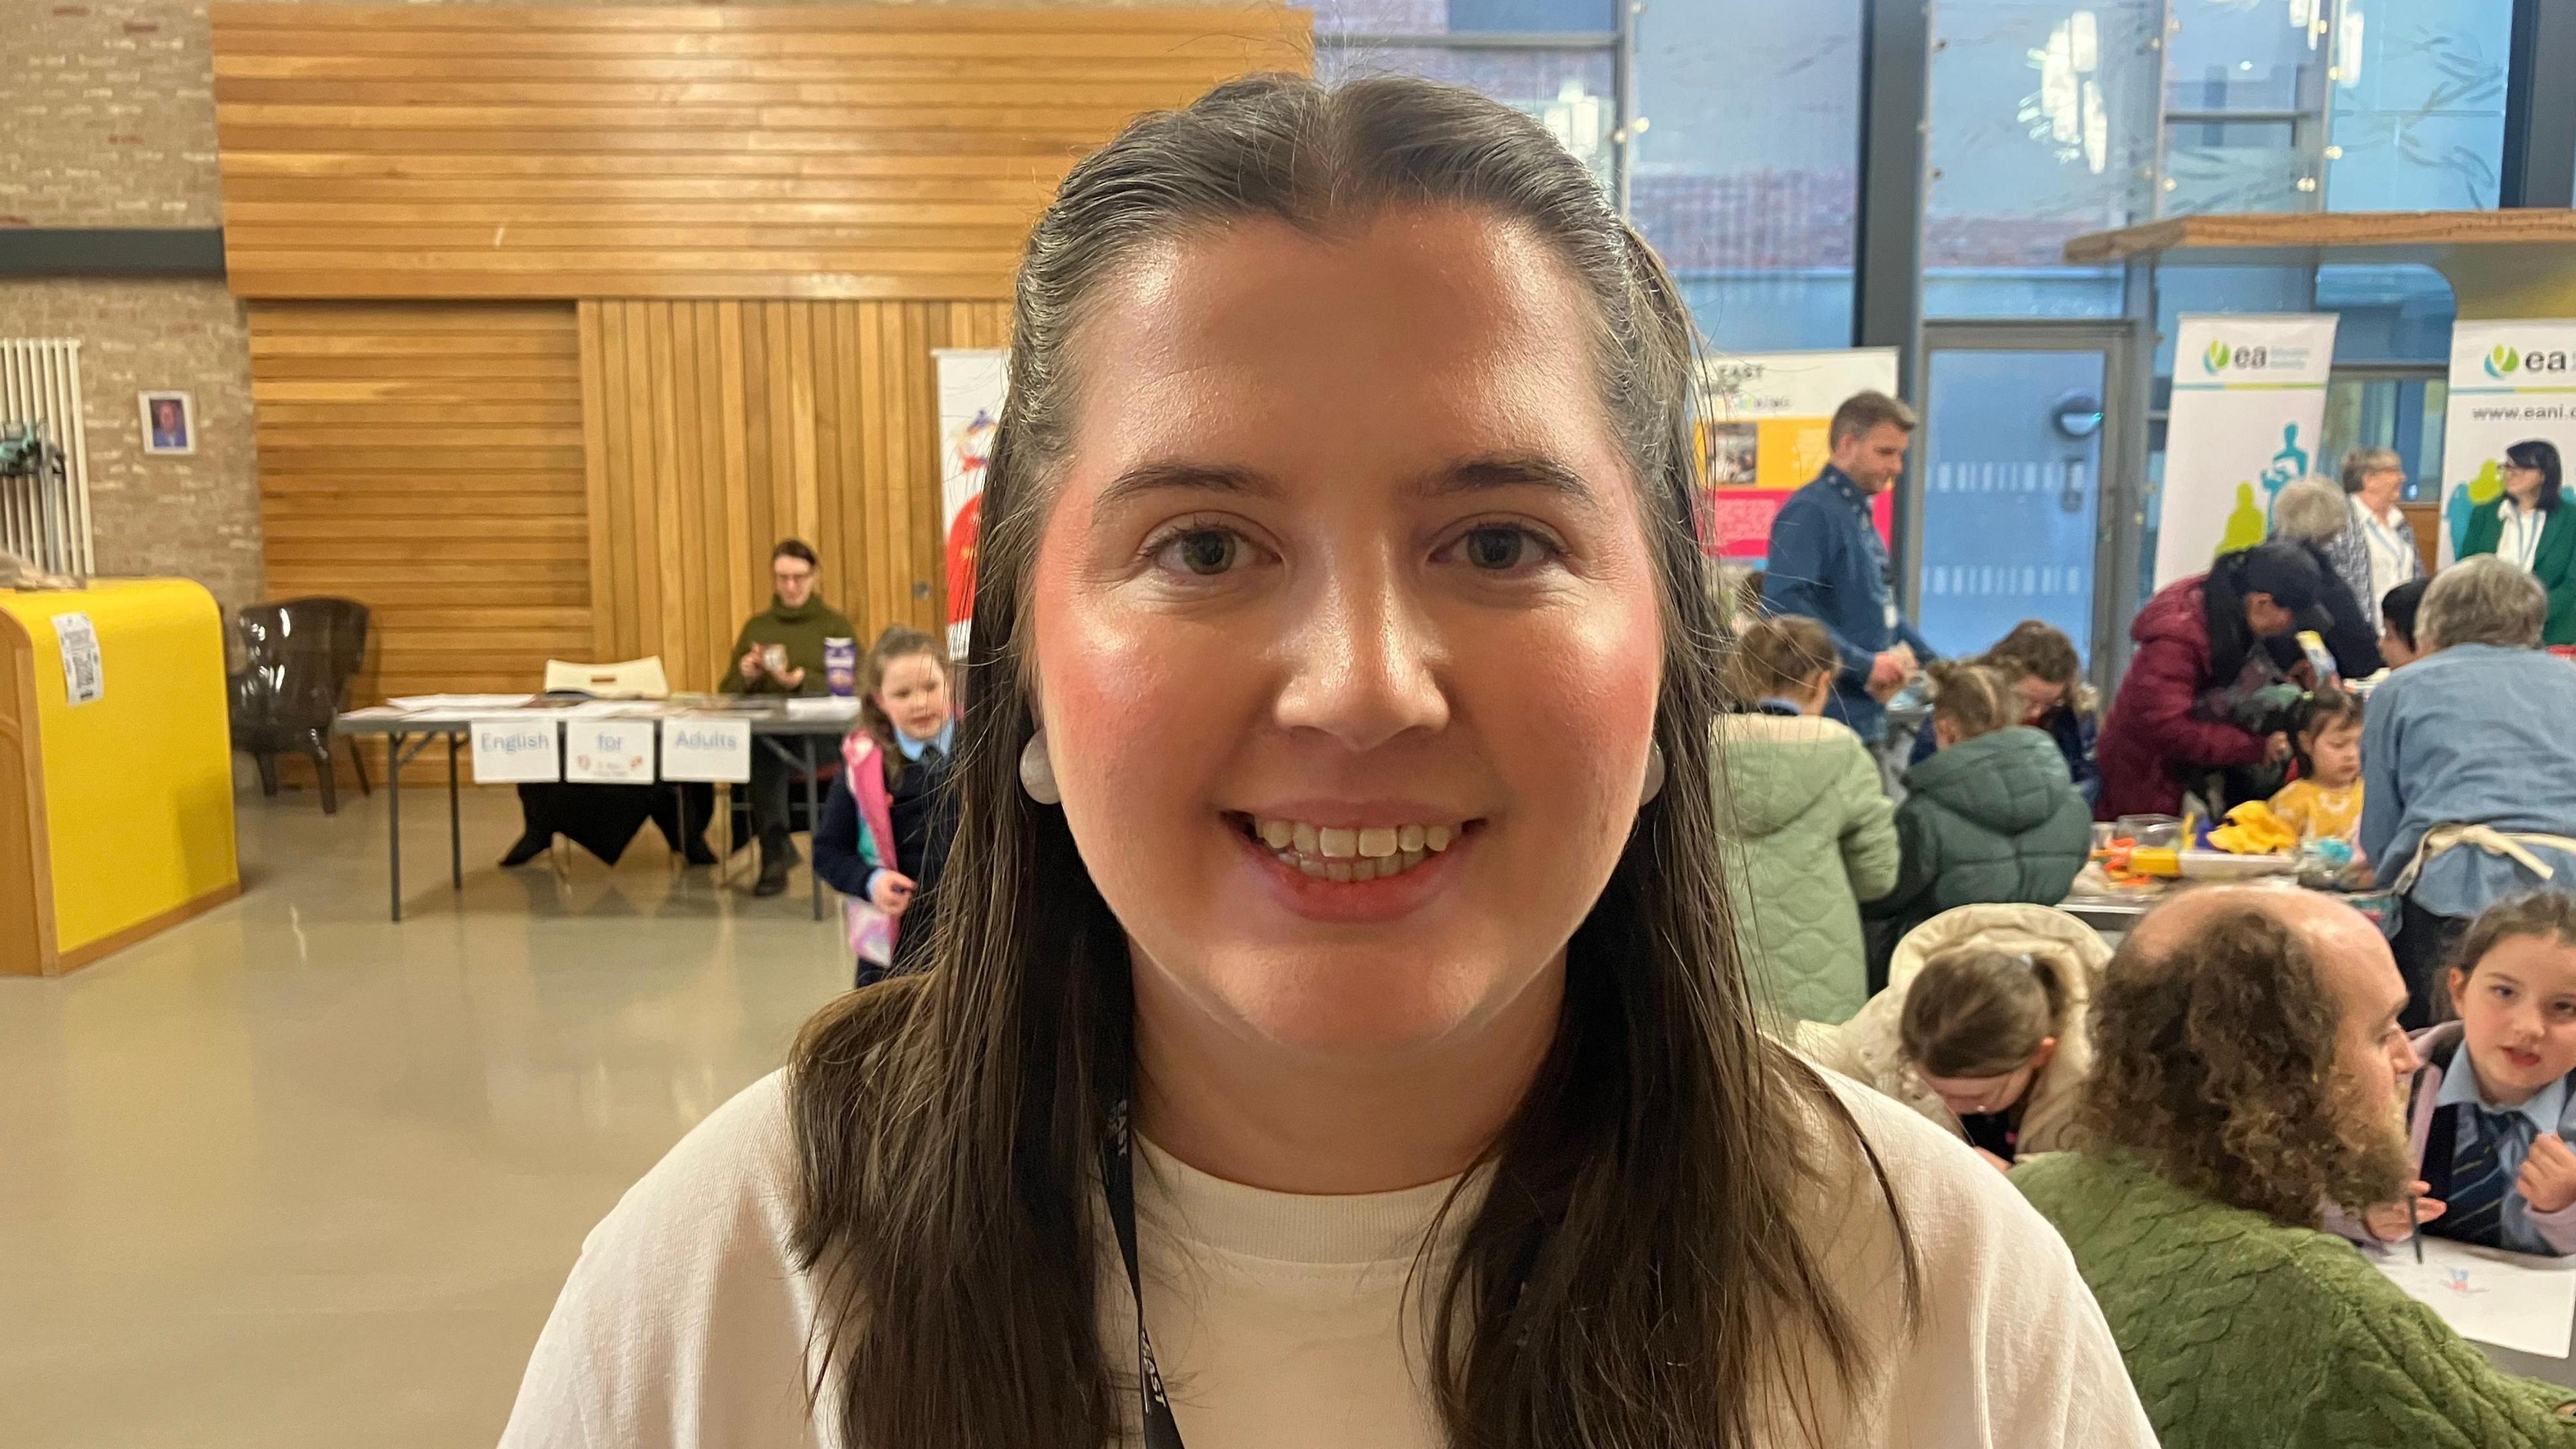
(2511, 382)
(971, 386)
(2249, 399)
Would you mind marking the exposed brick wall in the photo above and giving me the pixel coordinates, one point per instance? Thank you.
(107, 117)
(193, 516)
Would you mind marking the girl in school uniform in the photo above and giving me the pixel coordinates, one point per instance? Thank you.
(887, 825)
(2494, 1102)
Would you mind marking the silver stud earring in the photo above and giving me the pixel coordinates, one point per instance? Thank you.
(1654, 774)
(1037, 772)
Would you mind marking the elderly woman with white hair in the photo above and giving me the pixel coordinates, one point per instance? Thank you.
(2376, 551)
(2312, 514)
(2468, 765)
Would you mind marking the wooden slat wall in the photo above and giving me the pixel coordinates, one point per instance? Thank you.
(717, 428)
(425, 459)
(862, 151)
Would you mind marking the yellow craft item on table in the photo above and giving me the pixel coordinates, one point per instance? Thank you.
(2252, 829)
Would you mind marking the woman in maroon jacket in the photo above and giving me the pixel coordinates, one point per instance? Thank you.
(2198, 641)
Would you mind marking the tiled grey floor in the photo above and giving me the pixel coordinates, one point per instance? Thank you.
(293, 1175)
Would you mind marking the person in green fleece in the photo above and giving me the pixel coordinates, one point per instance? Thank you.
(780, 652)
(2248, 1071)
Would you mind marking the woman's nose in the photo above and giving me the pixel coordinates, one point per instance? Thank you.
(1363, 666)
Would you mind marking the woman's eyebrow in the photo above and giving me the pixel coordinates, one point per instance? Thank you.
(1473, 475)
(1509, 471)
(1168, 475)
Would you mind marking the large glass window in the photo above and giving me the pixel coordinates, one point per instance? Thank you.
(2418, 104)
(1744, 172)
(2043, 128)
(1741, 162)
(1555, 60)
(2244, 92)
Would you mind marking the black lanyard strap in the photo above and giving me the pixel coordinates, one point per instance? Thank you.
(1118, 1177)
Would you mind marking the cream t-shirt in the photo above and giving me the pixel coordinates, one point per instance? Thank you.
(1282, 1320)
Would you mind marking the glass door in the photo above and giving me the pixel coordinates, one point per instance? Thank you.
(2010, 513)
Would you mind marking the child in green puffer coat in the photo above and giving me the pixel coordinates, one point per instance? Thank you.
(1992, 818)
(1810, 832)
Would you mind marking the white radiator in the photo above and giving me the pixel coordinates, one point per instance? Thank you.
(44, 454)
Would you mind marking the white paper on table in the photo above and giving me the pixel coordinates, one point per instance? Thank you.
(609, 709)
(608, 751)
(2512, 1300)
(516, 749)
(455, 703)
(823, 707)
(706, 747)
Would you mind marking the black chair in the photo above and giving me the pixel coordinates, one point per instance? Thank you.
(302, 655)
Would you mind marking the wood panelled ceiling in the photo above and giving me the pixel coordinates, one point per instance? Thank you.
(891, 152)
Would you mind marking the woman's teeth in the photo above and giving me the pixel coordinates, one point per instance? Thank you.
(1333, 853)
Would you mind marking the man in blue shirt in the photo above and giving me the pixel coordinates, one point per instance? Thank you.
(1828, 563)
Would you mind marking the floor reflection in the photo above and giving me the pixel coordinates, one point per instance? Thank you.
(295, 1175)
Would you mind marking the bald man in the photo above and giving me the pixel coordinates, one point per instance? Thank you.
(2248, 1071)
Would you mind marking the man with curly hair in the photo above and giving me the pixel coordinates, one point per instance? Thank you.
(2248, 1072)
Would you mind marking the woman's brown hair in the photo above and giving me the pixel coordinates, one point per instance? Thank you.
(1979, 1013)
(899, 641)
(1636, 1274)
(1778, 657)
(2215, 1066)
(1972, 699)
(2040, 650)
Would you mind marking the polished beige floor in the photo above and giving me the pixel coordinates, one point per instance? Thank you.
(292, 1175)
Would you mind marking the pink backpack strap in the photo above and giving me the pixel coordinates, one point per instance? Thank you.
(865, 773)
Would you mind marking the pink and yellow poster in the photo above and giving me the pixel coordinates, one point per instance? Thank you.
(1761, 436)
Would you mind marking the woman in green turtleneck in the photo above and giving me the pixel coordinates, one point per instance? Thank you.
(780, 651)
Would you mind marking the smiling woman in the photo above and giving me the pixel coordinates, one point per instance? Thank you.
(1336, 977)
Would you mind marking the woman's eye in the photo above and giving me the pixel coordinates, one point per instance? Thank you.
(1501, 548)
(1202, 551)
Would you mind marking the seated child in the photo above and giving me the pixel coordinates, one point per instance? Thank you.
(1811, 833)
(2397, 623)
(2324, 803)
(1990, 818)
(2493, 1104)
(1981, 1028)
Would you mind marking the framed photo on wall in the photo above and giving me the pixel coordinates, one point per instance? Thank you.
(169, 422)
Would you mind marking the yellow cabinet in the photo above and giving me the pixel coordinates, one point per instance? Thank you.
(116, 784)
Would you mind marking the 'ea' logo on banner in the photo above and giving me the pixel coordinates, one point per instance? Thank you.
(2215, 359)
(2504, 361)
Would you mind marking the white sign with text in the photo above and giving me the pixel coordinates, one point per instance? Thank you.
(608, 751)
(516, 750)
(706, 747)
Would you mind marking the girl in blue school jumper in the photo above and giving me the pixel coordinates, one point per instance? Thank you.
(883, 841)
(2494, 1104)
